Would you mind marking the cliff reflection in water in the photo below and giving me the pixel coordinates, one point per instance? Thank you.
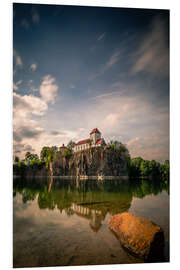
(88, 199)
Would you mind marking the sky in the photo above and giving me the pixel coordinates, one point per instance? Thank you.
(77, 68)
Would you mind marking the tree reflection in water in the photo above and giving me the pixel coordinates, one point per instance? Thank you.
(88, 199)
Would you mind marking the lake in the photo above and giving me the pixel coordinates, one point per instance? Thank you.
(64, 222)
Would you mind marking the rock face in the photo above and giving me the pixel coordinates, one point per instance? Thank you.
(139, 236)
(92, 162)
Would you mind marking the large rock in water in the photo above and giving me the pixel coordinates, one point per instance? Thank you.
(138, 235)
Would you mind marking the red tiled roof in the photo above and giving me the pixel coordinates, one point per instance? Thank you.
(83, 141)
(95, 130)
(99, 141)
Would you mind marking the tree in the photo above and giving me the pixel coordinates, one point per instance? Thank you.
(144, 168)
(67, 152)
(29, 156)
(16, 159)
(71, 144)
(48, 154)
(44, 153)
(134, 168)
(54, 149)
(118, 145)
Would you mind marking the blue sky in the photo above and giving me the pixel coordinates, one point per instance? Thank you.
(77, 68)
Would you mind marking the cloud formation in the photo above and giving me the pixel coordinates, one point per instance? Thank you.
(33, 67)
(17, 59)
(28, 104)
(16, 85)
(35, 16)
(150, 147)
(101, 36)
(112, 61)
(119, 83)
(28, 111)
(48, 89)
(153, 53)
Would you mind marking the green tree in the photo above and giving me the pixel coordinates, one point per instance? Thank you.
(16, 159)
(29, 156)
(67, 152)
(118, 145)
(71, 144)
(144, 168)
(44, 153)
(48, 154)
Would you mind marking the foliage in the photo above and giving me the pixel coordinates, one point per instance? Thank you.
(29, 156)
(118, 145)
(117, 195)
(71, 144)
(67, 152)
(16, 159)
(90, 143)
(139, 167)
(48, 154)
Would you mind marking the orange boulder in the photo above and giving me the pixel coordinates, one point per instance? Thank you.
(138, 235)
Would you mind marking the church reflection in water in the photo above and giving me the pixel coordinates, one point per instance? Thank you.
(94, 216)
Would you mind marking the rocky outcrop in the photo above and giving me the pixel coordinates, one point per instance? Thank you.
(100, 161)
(92, 162)
(138, 235)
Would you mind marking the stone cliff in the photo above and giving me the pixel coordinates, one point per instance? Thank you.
(92, 162)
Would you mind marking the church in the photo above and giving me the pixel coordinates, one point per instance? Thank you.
(94, 140)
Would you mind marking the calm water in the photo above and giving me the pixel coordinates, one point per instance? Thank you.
(65, 222)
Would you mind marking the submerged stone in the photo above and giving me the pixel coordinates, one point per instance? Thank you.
(138, 235)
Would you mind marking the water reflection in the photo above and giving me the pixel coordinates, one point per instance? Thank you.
(90, 200)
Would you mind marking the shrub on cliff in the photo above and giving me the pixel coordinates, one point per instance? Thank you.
(67, 152)
(118, 145)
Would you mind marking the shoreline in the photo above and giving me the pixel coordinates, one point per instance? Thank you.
(81, 177)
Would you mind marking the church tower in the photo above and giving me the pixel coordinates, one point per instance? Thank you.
(95, 135)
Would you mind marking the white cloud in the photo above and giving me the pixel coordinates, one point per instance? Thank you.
(27, 105)
(33, 67)
(132, 141)
(17, 59)
(112, 60)
(19, 82)
(111, 120)
(15, 85)
(154, 146)
(152, 55)
(29, 112)
(35, 16)
(48, 89)
(101, 36)
(26, 129)
(106, 95)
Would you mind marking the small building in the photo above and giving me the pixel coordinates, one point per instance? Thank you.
(62, 148)
(94, 140)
